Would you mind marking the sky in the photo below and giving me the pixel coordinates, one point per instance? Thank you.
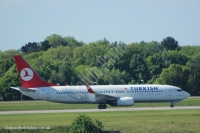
(23, 21)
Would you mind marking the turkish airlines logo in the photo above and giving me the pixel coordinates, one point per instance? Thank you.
(26, 74)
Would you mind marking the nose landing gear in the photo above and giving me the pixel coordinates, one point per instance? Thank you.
(172, 103)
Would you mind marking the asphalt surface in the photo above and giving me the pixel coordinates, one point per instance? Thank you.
(97, 110)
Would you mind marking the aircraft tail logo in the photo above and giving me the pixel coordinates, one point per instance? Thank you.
(26, 74)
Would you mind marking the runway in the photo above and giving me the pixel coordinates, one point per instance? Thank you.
(97, 110)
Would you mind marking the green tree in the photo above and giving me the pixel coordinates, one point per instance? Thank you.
(190, 50)
(78, 58)
(64, 74)
(154, 64)
(170, 43)
(55, 65)
(88, 54)
(8, 80)
(176, 75)
(151, 48)
(133, 60)
(30, 47)
(138, 68)
(6, 61)
(45, 45)
(73, 42)
(165, 59)
(114, 76)
(177, 57)
(56, 40)
(124, 58)
(194, 78)
(84, 124)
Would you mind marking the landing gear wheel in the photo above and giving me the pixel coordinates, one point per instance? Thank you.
(102, 106)
(172, 105)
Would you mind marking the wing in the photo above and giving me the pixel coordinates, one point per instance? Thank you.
(99, 96)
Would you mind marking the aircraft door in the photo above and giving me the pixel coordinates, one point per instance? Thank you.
(48, 94)
(170, 92)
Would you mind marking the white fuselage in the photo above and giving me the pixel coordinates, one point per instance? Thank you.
(80, 94)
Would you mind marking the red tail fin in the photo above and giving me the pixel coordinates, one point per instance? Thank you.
(28, 77)
(89, 88)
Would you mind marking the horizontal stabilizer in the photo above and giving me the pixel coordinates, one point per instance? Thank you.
(23, 89)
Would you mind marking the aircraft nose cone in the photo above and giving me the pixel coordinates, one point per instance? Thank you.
(187, 94)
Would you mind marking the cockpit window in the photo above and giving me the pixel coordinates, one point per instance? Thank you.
(179, 90)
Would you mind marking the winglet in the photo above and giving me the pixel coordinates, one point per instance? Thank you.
(66, 84)
(89, 88)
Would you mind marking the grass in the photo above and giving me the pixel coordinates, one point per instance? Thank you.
(43, 105)
(127, 122)
(162, 121)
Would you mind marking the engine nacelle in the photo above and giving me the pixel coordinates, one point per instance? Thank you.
(125, 101)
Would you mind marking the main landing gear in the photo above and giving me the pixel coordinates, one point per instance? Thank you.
(172, 104)
(102, 106)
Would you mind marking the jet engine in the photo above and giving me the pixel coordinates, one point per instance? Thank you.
(123, 101)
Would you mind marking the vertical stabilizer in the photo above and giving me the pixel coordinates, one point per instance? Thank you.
(28, 77)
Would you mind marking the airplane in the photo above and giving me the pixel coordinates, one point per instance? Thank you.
(115, 95)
